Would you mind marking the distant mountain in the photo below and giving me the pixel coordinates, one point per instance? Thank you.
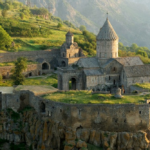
(130, 18)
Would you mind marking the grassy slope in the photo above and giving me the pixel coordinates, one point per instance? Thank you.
(52, 80)
(85, 97)
(54, 40)
(143, 85)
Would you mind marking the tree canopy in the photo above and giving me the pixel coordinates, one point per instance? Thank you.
(82, 28)
(17, 72)
(5, 39)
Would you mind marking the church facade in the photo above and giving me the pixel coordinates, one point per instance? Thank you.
(104, 72)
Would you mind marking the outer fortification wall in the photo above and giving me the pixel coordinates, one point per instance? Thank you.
(31, 55)
(127, 117)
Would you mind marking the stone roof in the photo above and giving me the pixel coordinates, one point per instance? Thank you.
(107, 32)
(92, 72)
(67, 46)
(89, 62)
(137, 71)
(69, 33)
(129, 61)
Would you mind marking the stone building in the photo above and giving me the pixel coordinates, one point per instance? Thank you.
(106, 71)
(48, 60)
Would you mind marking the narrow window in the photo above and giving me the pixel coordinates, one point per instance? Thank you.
(109, 77)
(140, 112)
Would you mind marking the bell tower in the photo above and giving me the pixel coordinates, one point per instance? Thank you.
(69, 38)
(107, 42)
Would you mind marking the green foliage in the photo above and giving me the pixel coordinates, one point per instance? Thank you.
(142, 53)
(143, 85)
(15, 116)
(4, 12)
(39, 11)
(3, 142)
(17, 72)
(27, 108)
(92, 147)
(69, 24)
(5, 39)
(22, 15)
(88, 43)
(135, 50)
(82, 28)
(59, 25)
(21, 146)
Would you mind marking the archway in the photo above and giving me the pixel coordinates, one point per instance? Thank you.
(72, 84)
(30, 74)
(63, 64)
(45, 66)
(42, 107)
(114, 82)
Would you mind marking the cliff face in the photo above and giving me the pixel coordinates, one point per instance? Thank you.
(42, 133)
(129, 17)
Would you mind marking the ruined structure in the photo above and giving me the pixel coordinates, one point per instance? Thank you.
(106, 71)
(47, 60)
(60, 126)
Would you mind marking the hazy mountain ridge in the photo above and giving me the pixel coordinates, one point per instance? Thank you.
(130, 18)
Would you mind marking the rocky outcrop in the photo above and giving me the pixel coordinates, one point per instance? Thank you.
(42, 133)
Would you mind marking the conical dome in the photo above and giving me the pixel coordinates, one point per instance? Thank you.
(107, 32)
(69, 33)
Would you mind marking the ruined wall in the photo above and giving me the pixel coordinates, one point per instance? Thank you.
(118, 118)
(52, 125)
(34, 69)
(31, 55)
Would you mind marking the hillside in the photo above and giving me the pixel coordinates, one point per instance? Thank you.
(33, 32)
(129, 17)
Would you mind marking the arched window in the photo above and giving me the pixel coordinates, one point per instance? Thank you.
(63, 55)
(72, 84)
(114, 69)
(42, 107)
(30, 74)
(45, 66)
(63, 64)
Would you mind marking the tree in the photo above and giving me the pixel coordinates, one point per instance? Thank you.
(82, 28)
(17, 72)
(4, 12)
(142, 53)
(5, 39)
(134, 47)
(59, 25)
(21, 15)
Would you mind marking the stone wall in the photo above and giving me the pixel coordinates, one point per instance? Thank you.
(30, 55)
(107, 49)
(118, 118)
(32, 70)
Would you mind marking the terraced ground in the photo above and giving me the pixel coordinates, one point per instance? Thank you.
(86, 97)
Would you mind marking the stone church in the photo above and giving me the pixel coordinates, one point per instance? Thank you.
(104, 72)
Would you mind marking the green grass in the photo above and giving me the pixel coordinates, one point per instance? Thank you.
(51, 80)
(143, 85)
(13, 63)
(85, 97)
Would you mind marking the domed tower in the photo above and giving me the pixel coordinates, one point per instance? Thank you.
(69, 38)
(107, 42)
